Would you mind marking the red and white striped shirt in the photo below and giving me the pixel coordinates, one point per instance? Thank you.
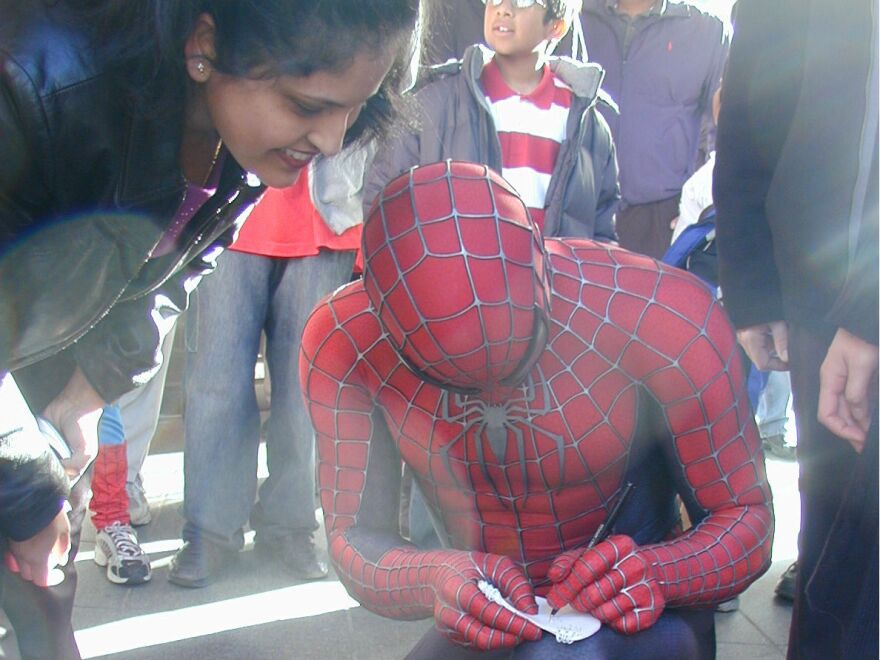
(531, 128)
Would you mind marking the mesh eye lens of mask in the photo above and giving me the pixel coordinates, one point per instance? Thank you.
(517, 4)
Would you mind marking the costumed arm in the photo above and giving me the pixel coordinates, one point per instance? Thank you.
(359, 477)
(715, 449)
(684, 352)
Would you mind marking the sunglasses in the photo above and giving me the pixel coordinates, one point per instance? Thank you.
(517, 4)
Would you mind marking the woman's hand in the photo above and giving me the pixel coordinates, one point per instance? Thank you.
(75, 412)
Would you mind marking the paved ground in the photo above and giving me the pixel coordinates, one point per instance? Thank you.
(257, 613)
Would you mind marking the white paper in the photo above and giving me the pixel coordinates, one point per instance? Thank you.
(568, 625)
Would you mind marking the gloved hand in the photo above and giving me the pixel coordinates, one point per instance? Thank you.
(613, 581)
(466, 616)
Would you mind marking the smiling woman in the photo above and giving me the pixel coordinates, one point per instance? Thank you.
(275, 126)
(132, 132)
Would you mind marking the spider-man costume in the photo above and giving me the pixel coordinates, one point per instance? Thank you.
(525, 381)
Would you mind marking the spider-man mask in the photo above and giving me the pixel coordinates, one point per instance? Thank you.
(455, 269)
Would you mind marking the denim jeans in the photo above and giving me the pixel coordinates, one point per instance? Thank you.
(772, 411)
(246, 295)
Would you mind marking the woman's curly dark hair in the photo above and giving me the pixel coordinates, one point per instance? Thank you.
(254, 38)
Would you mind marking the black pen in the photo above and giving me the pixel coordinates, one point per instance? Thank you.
(604, 529)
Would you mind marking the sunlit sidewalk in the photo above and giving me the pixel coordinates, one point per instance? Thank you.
(257, 612)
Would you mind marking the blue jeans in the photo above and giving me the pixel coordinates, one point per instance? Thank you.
(247, 295)
(771, 413)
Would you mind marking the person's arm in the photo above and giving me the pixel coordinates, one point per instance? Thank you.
(124, 350)
(608, 185)
(717, 59)
(745, 159)
(419, 141)
(848, 376)
(714, 452)
(33, 489)
(396, 154)
(359, 478)
(64, 272)
(585, 206)
(75, 413)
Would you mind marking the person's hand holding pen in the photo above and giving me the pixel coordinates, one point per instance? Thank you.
(609, 579)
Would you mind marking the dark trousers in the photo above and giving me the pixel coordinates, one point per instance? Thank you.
(644, 228)
(678, 634)
(835, 612)
(41, 616)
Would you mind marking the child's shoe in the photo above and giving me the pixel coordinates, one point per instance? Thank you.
(117, 548)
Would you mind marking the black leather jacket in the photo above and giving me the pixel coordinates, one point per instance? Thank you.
(88, 185)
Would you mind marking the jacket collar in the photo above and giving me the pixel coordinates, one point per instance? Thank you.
(661, 9)
(584, 78)
(496, 88)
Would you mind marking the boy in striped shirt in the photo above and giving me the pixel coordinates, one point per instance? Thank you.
(528, 115)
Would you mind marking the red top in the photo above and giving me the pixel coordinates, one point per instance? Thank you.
(286, 224)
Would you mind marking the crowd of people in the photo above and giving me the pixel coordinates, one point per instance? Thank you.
(571, 417)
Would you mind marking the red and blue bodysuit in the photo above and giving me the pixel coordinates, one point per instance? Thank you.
(523, 382)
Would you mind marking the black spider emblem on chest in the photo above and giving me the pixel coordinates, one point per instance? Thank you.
(494, 425)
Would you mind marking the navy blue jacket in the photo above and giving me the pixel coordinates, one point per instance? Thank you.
(663, 84)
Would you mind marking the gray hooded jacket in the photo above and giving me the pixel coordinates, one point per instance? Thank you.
(455, 124)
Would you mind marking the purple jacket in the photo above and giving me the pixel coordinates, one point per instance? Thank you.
(663, 85)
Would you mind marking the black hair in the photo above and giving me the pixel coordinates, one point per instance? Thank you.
(254, 38)
(566, 10)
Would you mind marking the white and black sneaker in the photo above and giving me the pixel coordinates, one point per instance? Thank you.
(117, 548)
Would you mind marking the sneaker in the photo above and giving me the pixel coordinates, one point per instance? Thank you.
(297, 553)
(776, 445)
(116, 547)
(138, 507)
(786, 586)
(199, 563)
